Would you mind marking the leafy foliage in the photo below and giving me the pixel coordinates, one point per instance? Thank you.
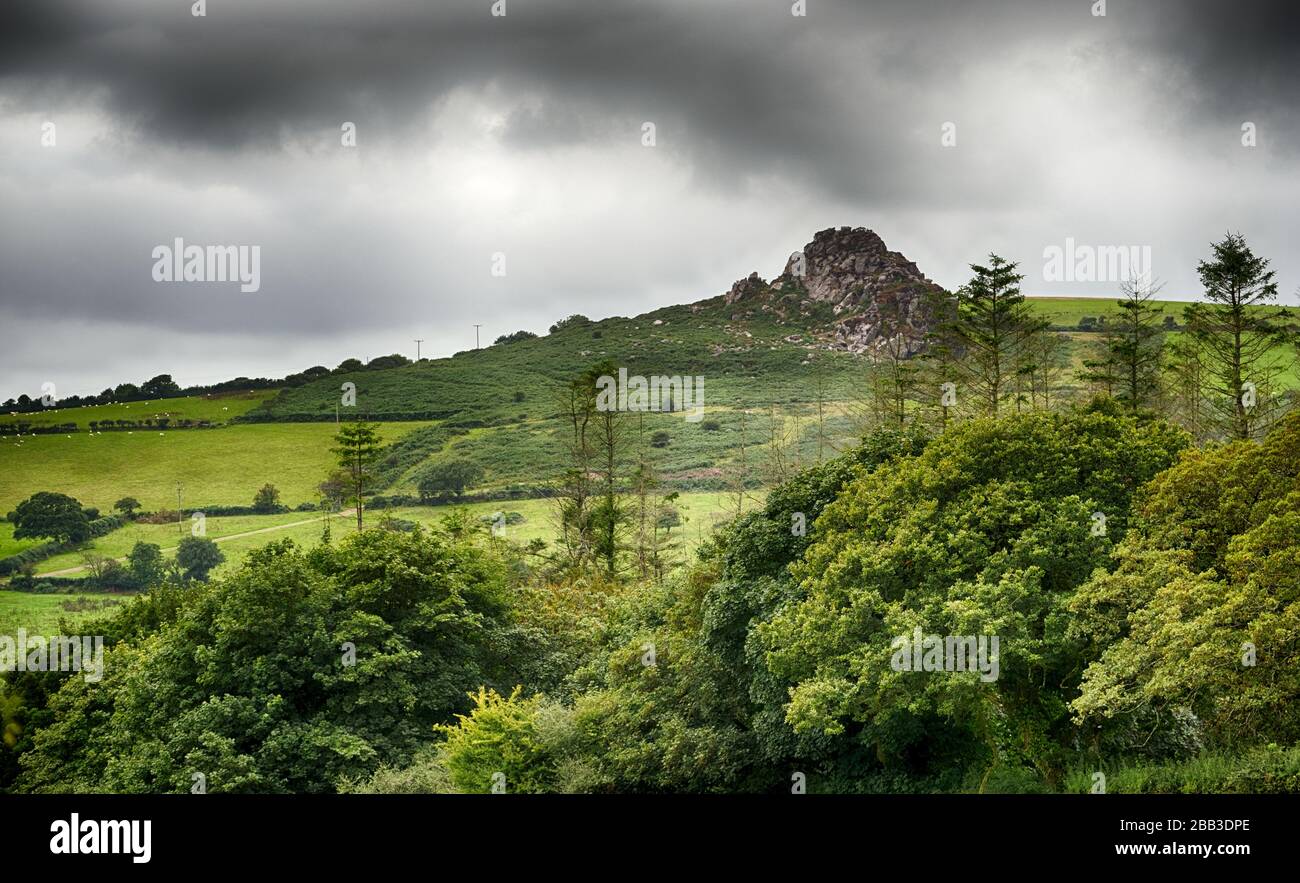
(988, 532)
(57, 517)
(248, 680)
(1202, 613)
(197, 557)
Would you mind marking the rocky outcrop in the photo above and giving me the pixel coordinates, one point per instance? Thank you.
(878, 296)
(746, 289)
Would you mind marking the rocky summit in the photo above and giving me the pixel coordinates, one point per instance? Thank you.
(877, 296)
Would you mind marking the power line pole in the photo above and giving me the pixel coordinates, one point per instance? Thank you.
(476, 328)
(180, 524)
(418, 341)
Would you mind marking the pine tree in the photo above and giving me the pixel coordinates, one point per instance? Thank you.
(1136, 343)
(1236, 330)
(357, 446)
(991, 329)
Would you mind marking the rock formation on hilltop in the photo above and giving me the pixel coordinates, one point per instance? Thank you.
(875, 294)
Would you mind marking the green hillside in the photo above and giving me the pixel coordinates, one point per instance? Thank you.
(222, 466)
(765, 366)
(215, 409)
(745, 354)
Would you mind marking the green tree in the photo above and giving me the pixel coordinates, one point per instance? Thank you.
(992, 325)
(1135, 340)
(267, 499)
(127, 506)
(52, 516)
(197, 556)
(145, 562)
(357, 446)
(893, 373)
(989, 531)
(159, 387)
(299, 670)
(1236, 331)
(573, 491)
(1199, 617)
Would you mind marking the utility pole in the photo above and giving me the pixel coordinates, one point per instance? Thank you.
(476, 328)
(180, 524)
(418, 341)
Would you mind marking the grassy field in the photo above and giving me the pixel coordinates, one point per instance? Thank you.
(217, 408)
(1068, 311)
(222, 466)
(41, 614)
(118, 543)
(700, 513)
(10, 546)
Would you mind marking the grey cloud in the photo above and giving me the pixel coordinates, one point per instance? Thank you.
(225, 130)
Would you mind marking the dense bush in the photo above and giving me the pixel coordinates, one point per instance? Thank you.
(681, 702)
(267, 500)
(774, 653)
(1201, 612)
(449, 477)
(297, 671)
(990, 531)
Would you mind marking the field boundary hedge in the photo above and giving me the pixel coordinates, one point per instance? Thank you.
(98, 528)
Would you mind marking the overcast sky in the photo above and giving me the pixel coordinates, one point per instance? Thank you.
(523, 135)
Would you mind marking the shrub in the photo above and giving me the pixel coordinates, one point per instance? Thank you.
(267, 500)
(497, 744)
(448, 477)
(574, 321)
(517, 336)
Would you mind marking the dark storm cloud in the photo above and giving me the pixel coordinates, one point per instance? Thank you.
(754, 87)
(224, 129)
(740, 88)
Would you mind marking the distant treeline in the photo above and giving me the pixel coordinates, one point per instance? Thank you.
(163, 387)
